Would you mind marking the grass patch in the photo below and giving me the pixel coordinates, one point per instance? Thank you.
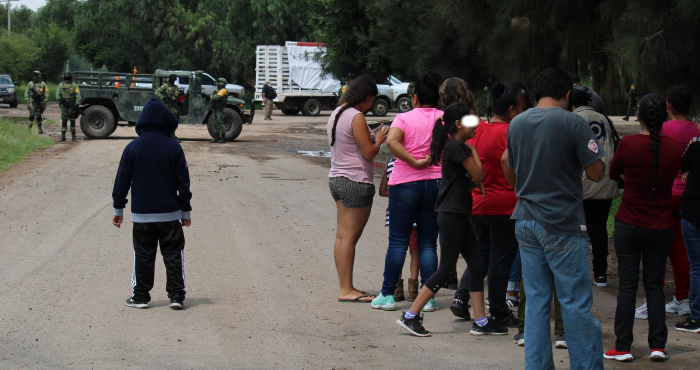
(52, 91)
(613, 210)
(16, 143)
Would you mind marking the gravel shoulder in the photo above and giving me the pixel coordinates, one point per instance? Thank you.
(261, 281)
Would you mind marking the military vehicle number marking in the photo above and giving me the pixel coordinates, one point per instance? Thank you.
(138, 108)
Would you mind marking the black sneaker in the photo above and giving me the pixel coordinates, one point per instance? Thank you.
(460, 309)
(491, 328)
(136, 304)
(509, 320)
(176, 304)
(689, 325)
(513, 304)
(414, 325)
(601, 280)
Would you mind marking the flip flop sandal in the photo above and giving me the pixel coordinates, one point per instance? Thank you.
(357, 299)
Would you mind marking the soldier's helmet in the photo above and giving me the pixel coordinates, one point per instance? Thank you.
(221, 81)
(68, 76)
(36, 74)
(172, 78)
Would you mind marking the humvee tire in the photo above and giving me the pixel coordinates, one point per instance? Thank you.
(290, 112)
(97, 122)
(232, 123)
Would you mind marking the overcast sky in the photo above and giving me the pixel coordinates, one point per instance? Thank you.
(31, 4)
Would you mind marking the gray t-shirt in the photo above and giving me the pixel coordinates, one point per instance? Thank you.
(548, 148)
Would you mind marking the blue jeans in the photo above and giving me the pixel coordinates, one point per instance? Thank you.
(410, 203)
(551, 260)
(691, 235)
(516, 271)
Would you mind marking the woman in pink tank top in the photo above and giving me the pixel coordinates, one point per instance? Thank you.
(351, 179)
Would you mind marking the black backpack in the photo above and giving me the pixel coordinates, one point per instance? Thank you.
(271, 93)
(616, 141)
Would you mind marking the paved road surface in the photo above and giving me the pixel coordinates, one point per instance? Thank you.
(260, 276)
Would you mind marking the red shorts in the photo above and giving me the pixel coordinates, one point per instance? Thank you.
(413, 242)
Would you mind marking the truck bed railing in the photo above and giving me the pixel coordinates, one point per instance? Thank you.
(113, 81)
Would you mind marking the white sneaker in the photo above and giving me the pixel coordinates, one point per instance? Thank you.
(681, 307)
(640, 313)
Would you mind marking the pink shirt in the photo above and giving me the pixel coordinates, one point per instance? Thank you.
(417, 126)
(346, 157)
(683, 132)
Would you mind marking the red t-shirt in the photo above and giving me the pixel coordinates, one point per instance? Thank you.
(490, 142)
(633, 159)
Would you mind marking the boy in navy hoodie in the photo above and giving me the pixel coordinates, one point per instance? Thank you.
(154, 167)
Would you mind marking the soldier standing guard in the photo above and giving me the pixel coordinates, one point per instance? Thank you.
(36, 95)
(68, 96)
(632, 105)
(218, 103)
(168, 93)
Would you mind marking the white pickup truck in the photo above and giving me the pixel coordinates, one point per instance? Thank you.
(402, 101)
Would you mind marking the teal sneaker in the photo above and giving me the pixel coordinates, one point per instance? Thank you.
(431, 306)
(385, 302)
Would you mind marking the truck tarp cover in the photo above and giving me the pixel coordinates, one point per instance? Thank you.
(306, 72)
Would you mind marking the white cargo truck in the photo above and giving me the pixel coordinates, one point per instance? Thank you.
(296, 76)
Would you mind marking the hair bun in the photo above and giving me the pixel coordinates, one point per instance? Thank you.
(432, 79)
(497, 90)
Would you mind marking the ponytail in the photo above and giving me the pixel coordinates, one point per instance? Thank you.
(335, 123)
(443, 128)
(652, 112)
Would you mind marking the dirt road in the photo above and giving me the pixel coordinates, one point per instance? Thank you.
(261, 281)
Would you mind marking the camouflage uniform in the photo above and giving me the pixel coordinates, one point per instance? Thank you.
(36, 106)
(68, 90)
(171, 91)
(218, 103)
(632, 105)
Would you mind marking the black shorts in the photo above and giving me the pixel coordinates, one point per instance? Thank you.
(352, 194)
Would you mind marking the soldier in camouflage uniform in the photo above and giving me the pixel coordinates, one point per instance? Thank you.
(168, 93)
(68, 97)
(36, 95)
(632, 105)
(218, 103)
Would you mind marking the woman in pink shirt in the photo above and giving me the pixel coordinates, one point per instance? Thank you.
(682, 129)
(413, 189)
(351, 179)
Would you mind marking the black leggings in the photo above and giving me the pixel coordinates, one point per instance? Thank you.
(457, 238)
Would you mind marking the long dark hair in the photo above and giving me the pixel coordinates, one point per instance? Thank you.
(455, 90)
(444, 127)
(652, 112)
(362, 88)
(502, 98)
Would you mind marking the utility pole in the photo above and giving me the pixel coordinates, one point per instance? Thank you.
(9, 21)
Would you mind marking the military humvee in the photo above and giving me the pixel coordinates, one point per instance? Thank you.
(109, 98)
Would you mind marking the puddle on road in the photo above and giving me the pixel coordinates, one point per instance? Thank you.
(315, 153)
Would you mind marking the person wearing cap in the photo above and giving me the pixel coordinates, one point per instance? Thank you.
(68, 95)
(36, 96)
(268, 93)
(168, 94)
(154, 168)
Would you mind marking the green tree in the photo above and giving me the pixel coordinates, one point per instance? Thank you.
(17, 55)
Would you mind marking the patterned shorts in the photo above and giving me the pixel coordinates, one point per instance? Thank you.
(352, 194)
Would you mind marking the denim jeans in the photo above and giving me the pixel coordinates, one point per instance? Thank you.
(551, 260)
(516, 272)
(632, 245)
(691, 234)
(410, 203)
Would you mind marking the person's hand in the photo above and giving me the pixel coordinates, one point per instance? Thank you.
(381, 133)
(480, 185)
(422, 163)
(117, 221)
(187, 222)
(684, 176)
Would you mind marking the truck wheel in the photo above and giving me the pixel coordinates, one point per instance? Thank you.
(403, 104)
(97, 122)
(290, 112)
(233, 124)
(380, 108)
(311, 107)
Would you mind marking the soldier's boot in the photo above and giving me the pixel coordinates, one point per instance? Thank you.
(214, 140)
(41, 132)
(72, 131)
(626, 118)
(63, 136)
(64, 128)
(223, 138)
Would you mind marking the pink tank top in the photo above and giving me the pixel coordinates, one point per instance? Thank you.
(346, 157)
